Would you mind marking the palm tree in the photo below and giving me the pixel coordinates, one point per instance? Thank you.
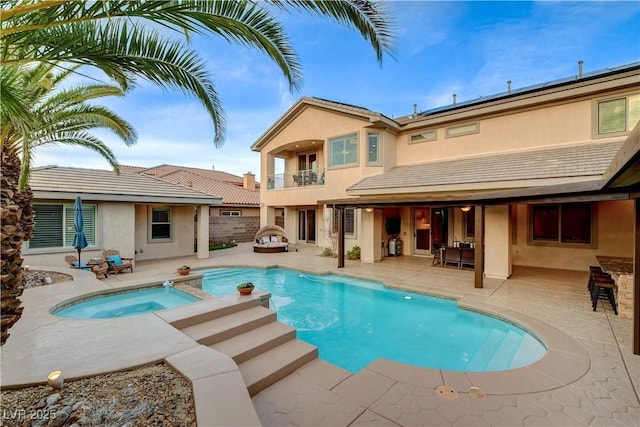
(60, 116)
(115, 37)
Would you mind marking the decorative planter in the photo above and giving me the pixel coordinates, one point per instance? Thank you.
(245, 291)
(183, 272)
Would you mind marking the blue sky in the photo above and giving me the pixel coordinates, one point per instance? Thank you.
(467, 48)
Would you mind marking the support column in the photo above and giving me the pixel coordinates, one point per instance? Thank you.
(371, 232)
(340, 236)
(478, 261)
(636, 280)
(203, 232)
(497, 242)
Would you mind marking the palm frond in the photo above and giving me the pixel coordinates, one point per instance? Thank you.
(371, 18)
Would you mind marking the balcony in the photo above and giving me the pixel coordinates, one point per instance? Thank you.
(301, 178)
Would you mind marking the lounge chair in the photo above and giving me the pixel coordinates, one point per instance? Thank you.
(99, 270)
(72, 260)
(271, 238)
(117, 263)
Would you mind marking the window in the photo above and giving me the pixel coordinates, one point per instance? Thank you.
(373, 149)
(349, 221)
(428, 135)
(618, 115)
(230, 213)
(344, 150)
(570, 223)
(161, 224)
(461, 130)
(54, 226)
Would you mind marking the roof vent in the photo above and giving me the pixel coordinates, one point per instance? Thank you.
(580, 63)
(454, 98)
(509, 87)
(213, 167)
(415, 110)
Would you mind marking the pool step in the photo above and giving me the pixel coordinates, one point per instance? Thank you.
(220, 328)
(271, 366)
(193, 314)
(264, 349)
(256, 341)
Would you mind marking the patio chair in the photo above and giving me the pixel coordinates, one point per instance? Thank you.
(72, 260)
(467, 257)
(436, 253)
(117, 263)
(101, 270)
(97, 269)
(452, 256)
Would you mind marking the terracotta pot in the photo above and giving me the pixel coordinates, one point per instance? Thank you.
(245, 291)
(183, 272)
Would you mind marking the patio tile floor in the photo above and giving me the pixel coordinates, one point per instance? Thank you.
(397, 394)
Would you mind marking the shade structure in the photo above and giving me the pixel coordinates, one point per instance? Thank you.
(79, 239)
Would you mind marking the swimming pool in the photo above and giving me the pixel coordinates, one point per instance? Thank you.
(126, 304)
(353, 322)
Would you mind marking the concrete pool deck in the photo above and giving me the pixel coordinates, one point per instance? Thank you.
(385, 393)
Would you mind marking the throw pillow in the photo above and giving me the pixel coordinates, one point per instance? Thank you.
(117, 260)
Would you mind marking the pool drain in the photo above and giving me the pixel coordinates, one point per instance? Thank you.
(446, 392)
(477, 392)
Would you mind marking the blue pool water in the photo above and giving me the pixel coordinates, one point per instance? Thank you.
(125, 304)
(353, 322)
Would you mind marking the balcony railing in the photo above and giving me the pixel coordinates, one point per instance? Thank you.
(301, 178)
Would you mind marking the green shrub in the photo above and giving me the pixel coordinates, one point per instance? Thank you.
(327, 252)
(354, 253)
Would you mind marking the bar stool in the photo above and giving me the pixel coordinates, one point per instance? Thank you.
(595, 271)
(602, 287)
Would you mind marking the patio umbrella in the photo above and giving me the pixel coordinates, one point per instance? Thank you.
(79, 239)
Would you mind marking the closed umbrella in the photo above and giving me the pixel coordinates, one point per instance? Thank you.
(79, 239)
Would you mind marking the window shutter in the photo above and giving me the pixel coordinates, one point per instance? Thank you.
(633, 114)
(88, 215)
(612, 116)
(48, 229)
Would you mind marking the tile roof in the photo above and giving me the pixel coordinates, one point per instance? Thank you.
(163, 170)
(62, 182)
(230, 194)
(216, 183)
(582, 160)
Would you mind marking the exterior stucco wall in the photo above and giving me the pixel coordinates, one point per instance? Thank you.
(118, 227)
(553, 125)
(114, 228)
(183, 233)
(614, 237)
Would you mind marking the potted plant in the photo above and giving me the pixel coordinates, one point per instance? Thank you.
(184, 270)
(245, 288)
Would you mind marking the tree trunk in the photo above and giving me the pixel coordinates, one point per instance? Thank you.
(17, 217)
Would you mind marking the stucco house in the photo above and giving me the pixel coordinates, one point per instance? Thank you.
(140, 216)
(237, 218)
(410, 185)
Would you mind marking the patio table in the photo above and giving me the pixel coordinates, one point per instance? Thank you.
(621, 271)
